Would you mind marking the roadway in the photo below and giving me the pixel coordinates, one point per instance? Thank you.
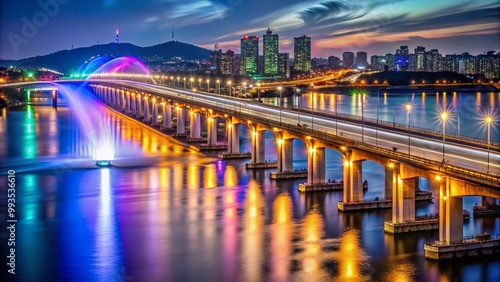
(459, 155)
(464, 156)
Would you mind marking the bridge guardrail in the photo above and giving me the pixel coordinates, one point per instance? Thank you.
(494, 144)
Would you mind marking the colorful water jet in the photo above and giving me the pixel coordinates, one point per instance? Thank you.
(93, 123)
(125, 67)
(91, 66)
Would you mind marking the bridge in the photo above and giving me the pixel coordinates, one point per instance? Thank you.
(451, 164)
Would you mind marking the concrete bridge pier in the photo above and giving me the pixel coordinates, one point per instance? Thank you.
(123, 107)
(195, 125)
(105, 97)
(133, 105)
(233, 136)
(389, 181)
(146, 109)
(127, 103)
(138, 113)
(286, 156)
(353, 181)
(116, 96)
(450, 215)
(211, 130)
(54, 99)
(316, 166)
(154, 110)
(181, 120)
(285, 161)
(403, 201)
(167, 115)
(259, 150)
(233, 141)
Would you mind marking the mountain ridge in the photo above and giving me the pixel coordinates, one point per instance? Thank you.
(67, 61)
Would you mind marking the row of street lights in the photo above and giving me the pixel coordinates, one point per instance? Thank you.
(218, 81)
(444, 116)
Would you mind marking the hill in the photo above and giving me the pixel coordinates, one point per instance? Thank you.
(67, 61)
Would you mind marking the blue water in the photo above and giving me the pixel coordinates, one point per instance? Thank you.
(183, 216)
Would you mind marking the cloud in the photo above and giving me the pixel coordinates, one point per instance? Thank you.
(249, 31)
(177, 13)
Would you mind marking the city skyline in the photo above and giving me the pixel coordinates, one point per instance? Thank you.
(334, 26)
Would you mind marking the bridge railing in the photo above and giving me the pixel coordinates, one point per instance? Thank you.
(397, 156)
(494, 144)
(239, 111)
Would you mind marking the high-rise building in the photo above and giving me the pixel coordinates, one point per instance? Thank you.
(402, 58)
(451, 63)
(227, 62)
(271, 46)
(434, 61)
(249, 55)
(467, 64)
(348, 59)
(215, 59)
(390, 61)
(377, 62)
(302, 53)
(419, 61)
(334, 62)
(284, 65)
(361, 59)
(489, 65)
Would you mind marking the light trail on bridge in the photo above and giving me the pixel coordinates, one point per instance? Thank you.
(464, 156)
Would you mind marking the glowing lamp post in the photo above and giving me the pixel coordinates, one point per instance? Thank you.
(444, 117)
(488, 120)
(184, 82)
(191, 82)
(208, 85)
(218, 87)
(245, 89)
(408, 108)
(199, 83)
(230, 88)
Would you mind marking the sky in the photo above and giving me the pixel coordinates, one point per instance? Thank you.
(38, 27)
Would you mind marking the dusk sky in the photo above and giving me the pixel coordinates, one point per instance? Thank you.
(375, 26)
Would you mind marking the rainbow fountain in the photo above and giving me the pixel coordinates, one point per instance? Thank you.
(125, 67)
(98, 133)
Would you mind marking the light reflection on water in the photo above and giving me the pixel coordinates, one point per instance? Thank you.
(185, 217)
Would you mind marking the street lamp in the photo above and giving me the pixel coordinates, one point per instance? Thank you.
(488, 120)
(245, 89)
(218, 87)
(184, 82)
(191, 82)
(199, 83)
(409, 107)
(178, 78)
(444, 116)
(230, 88)
(208, 85)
